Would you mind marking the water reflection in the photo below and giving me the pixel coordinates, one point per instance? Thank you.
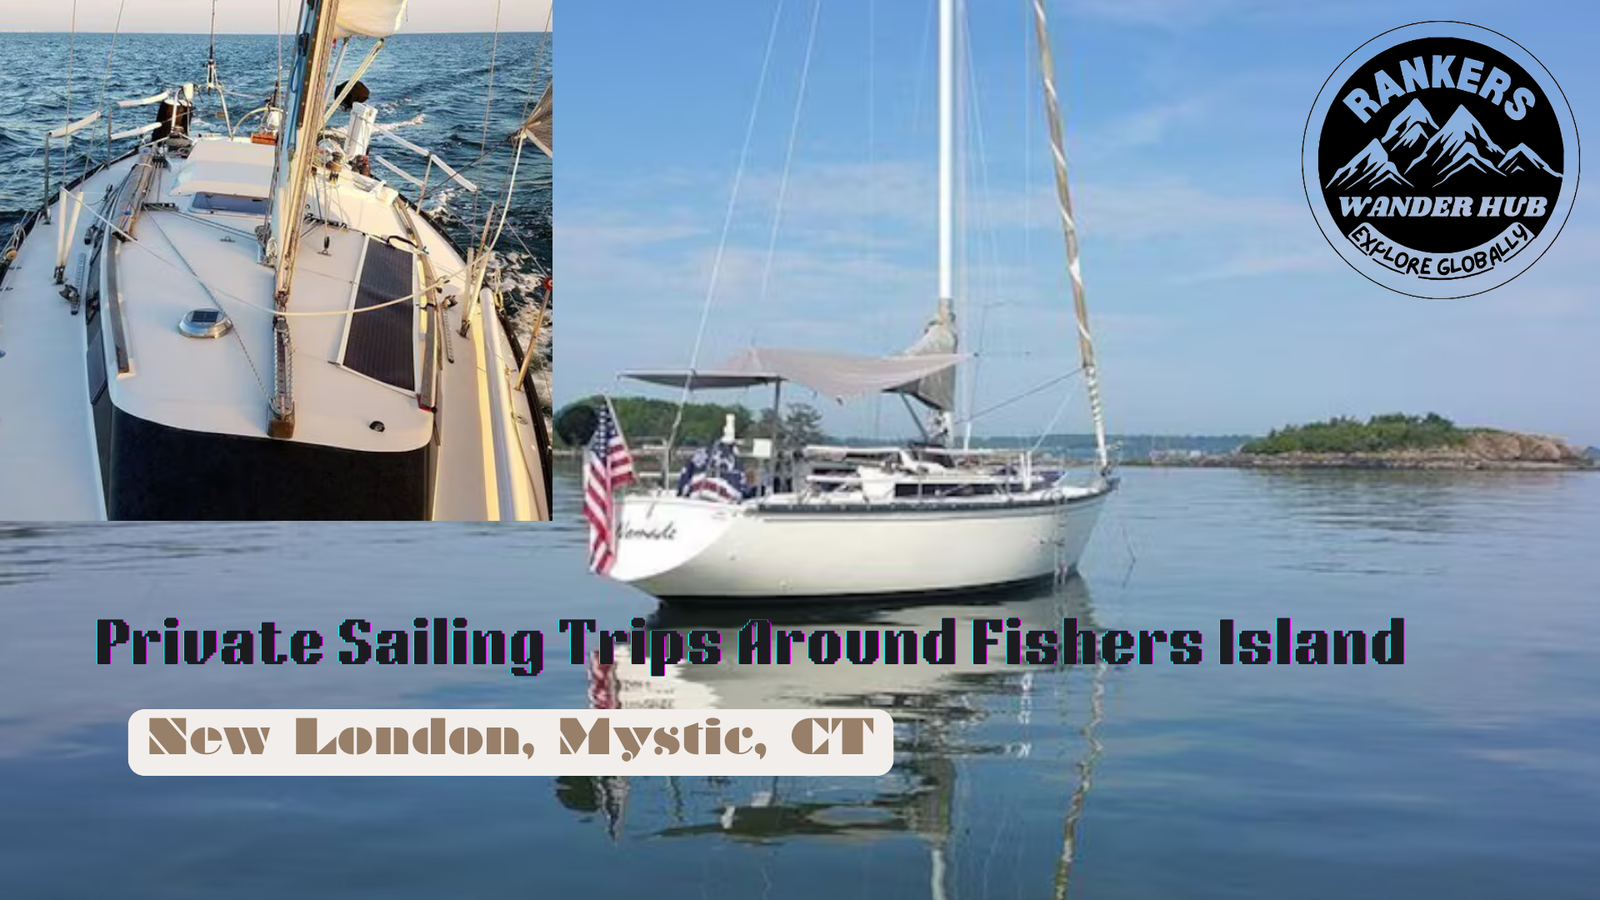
(56, 581)
(942, 713)
(1401, 502)
(33, 552)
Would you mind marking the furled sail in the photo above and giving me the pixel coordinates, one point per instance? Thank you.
(369, 18)
(937, 389)
(540, 127)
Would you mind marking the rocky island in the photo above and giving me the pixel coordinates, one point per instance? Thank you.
(1396, 441)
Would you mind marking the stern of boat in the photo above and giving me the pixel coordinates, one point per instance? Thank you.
(659, 533)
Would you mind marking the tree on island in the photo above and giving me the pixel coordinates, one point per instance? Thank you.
(1344, 434)
(648, 419)
(802, 425)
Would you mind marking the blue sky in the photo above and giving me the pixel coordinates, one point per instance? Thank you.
(1217, 305)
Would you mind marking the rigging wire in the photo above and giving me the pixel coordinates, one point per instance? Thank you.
(1050, 426)
(66, 152)
(868, 244)
(483, 152)
(727, 224)
(213, 83)
(1022, 396)
(538, 64)
(105, 81)
(511, 177)
(1027, 136)
(538, 268)
(963, 270)
(788, 160)
(922, 63)
(277, 87)
(488, 104)
(989, 240)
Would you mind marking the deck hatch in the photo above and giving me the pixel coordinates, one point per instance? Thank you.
(382, 344)
(230, 203)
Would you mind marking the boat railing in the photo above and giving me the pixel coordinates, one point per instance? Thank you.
(819, 469)
(427, 173)
(513, 471)
(108, 114)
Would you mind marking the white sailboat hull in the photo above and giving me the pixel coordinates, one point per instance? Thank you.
(676, 547)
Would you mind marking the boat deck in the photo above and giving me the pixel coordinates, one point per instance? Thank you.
(49, 469)
(194, 249)
(223, 385)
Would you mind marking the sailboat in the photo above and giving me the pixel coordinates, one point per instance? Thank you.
(833, 522)
(247, 324)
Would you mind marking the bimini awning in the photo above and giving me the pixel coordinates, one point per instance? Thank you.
(831, 374)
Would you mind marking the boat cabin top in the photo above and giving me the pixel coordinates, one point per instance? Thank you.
(357, 377)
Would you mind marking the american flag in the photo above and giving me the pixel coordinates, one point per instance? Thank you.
(714, 476)
(604, 686)
(608, 466)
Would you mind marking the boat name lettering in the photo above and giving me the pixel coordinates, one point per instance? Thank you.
(667, 532)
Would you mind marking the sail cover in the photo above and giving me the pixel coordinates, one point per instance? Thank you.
(369, 18)
(937, 389)
(540, 127)
(832, 374)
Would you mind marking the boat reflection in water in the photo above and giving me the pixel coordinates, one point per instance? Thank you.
(950, 720)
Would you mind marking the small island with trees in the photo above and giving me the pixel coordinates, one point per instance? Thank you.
(1400, 441)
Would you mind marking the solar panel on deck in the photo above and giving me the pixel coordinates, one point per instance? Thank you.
(381, 344)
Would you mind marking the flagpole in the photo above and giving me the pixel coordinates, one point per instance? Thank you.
(616, 420)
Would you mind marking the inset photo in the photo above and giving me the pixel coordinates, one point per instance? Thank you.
(292, 264)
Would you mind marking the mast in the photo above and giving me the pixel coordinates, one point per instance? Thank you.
(1091, 373)
(297, 146)
(947, 64)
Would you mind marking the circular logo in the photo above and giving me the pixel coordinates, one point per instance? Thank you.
(1440, 159)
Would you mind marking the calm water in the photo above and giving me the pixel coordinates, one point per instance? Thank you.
(1473, 770)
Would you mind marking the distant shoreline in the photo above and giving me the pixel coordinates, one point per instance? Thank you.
(1415, 462)
(1407, 461)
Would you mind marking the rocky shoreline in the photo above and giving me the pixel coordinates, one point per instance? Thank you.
(1483, 450)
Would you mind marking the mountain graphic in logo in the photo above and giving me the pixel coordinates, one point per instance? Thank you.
(1412, 125)
(1461, 145)
(1521, 159)
(1370, 168)
(1457, 147)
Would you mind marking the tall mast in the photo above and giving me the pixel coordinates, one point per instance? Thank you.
(947, 78)
(1091, 373)
(297, 146)
(298, 141)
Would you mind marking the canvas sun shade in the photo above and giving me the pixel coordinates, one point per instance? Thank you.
(832, 374)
